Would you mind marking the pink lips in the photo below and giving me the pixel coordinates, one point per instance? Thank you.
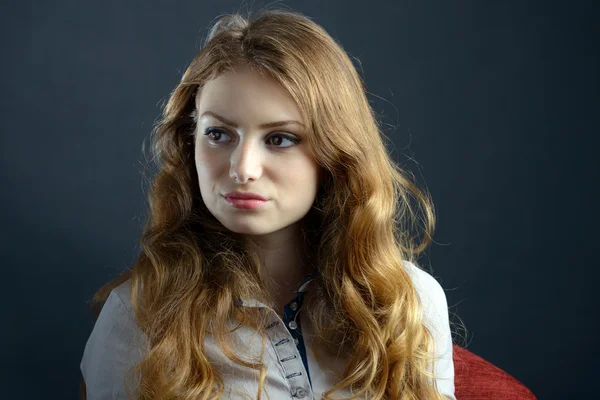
(245, 200)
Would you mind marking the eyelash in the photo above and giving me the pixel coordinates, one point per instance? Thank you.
(292, 139)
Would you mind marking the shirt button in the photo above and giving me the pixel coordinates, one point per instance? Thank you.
(300, 393)
(294, 306)
(293, 325)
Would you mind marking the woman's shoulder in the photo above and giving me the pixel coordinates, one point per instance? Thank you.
(113, 346)
(430, 291)
(117, 314)
(123, 294)
(436, 316)
(424, 282)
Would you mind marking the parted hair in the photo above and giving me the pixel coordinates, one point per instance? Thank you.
(368, 218)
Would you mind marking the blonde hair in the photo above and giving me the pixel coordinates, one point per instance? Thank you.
(365, 223)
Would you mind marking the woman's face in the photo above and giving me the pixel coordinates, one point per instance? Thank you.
(234, 151)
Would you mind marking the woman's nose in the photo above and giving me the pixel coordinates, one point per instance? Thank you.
(245, 162)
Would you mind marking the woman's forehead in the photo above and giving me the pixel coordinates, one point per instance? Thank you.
(247, 97)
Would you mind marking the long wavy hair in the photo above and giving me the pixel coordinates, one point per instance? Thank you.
(367, 220)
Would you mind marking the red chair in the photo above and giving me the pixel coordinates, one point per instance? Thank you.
(477, 379)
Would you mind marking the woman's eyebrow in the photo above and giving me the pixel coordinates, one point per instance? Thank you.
(262, 126)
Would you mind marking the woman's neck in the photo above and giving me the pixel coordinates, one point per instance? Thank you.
(283, 262)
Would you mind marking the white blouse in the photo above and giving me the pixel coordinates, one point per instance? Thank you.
(116, 344)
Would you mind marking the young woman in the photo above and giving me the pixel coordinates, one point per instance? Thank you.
(278, 261)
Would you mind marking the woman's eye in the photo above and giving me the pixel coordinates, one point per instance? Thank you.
(214, 134)
(277, 139)
(290, 139)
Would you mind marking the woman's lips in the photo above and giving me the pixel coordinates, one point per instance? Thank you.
(245, 204)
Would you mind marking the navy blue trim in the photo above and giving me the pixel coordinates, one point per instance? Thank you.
(290, 315)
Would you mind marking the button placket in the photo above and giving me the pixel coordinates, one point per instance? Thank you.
(291, 318)
(289, 358)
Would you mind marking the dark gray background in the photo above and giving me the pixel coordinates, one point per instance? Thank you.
(496, 101)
